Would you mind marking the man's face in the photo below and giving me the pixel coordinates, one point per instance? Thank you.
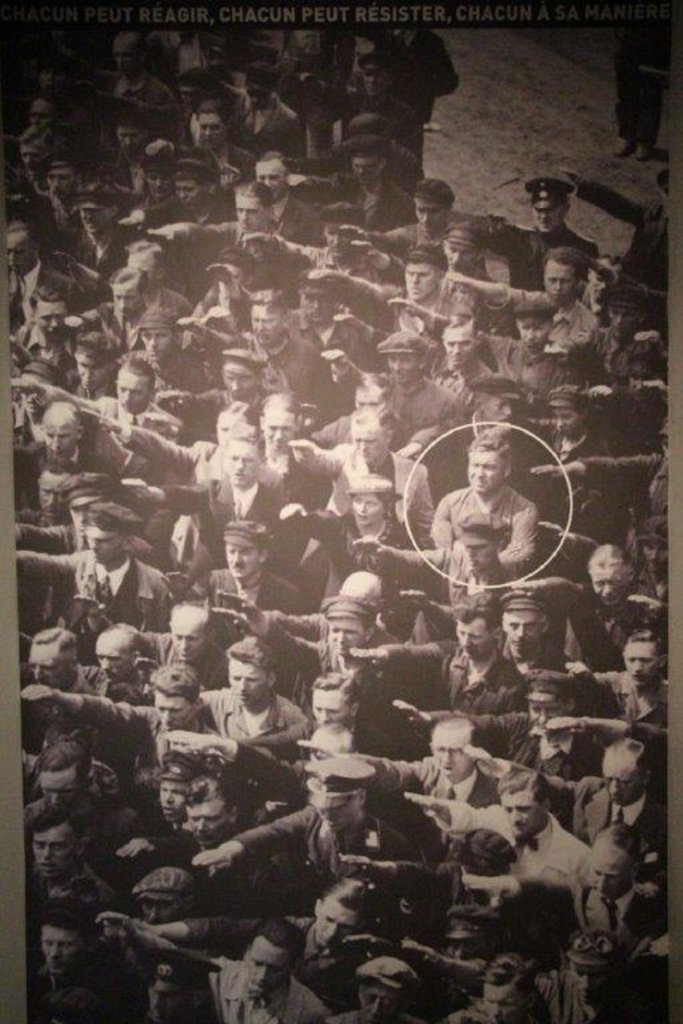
(526, 816)
(542, 709)
(642, 662)
(41, 113)
(505, 1004)
(338, 810)
(494, 409)
(240, 383)
(244, 560)
(370, 397)
(159, 343)
(212, 822)
(134, 393)
(370, 443)
(626, 781)
(447, 746)
(273, 174)
(92, 372)
(60, 788)
(51, 666)
(405, 368)
(561, 283)
(523, 631)
(332, 706)
(169, 1004)
(252, 685)
(534, 332)
(172, 800)
(376, 81)
(50, 318)
(61, 182)
(337, 243)
(160, 184)
(422, 282)
(317, 307)
(368, 170)
(174, 712)
(345, 634)
(476, 639)
(56, 851)
(378, 1003)
(52, 80)
(191, 192)
(131, 140)
(242, 464)
(486, 472)
(97, 219)
(611, 583)
(22, 254)
(128, 299)
(155, 910)
(459, 347)
(268, 968)
(624, 323)
(61, 432)
(115, 654)
(50, 497)
(549, 217)
(189, 634)
(128, 55)
(368, 510)
(432, 217)
(481, 554)
(612, 871)
(279, 427)
(268, 325)
(109, 546)
(61, 948)
(212, 131)
(251, 216)
(333, 922)
(568, 421)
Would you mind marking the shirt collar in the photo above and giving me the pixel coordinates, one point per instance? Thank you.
(115, 577)
(631, 811)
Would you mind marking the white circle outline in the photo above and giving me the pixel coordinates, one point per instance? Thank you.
(473, 426)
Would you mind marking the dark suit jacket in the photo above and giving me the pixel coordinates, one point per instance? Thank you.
(299, 224)
(274, 593)
(593, 812)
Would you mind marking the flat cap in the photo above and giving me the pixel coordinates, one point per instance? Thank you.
(157, 319)
(97, 195)
(165, 881)
(159, 155)
(367, 145)
(434, 190)
(542, 682)
(368, 124)
(109, 515)
(180, 765)
(433, 255)
(480, 527)
(244, 357)
(496, 384)
(370, 483)
(340, 775)
(547, 191)
(627, 298)
(568, 395)
(342, 607)
(198, 168)
(655, 530)
(463, 234)
(523, 601)
(467, 919)
(342, 213)
(248, 531)
(37, 371)
(232, 256)
(377, 59)
(176, 681)
(388, 971)
(403, 341)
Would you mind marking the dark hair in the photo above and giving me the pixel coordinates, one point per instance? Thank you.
(251, 650)
(256, 190)
(283, 934)
(519, 779)
(567, 257)
(347, 685)
(53, 817)
(212, 784)
(479, 606)
(62, 754)
(137, 364)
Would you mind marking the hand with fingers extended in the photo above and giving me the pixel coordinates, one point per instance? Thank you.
(220, 859)
(452, 816)
(417, 717)
(134, 847)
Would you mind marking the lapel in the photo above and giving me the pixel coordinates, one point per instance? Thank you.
(597, 813)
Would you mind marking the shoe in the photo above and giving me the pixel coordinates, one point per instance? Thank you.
(643, 152)
(625, 148)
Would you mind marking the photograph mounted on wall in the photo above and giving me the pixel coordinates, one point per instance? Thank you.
(339, 363)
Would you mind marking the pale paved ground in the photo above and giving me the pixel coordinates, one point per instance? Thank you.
(527, 100)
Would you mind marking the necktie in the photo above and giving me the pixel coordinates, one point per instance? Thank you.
(619, 816)
(105, 593)
(612, 916)
(16, 302)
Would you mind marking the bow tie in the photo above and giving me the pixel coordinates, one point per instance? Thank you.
(526, 844)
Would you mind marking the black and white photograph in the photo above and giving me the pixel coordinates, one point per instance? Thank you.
(339, 388)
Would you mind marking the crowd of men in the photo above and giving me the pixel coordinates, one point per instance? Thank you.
(328, 717)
